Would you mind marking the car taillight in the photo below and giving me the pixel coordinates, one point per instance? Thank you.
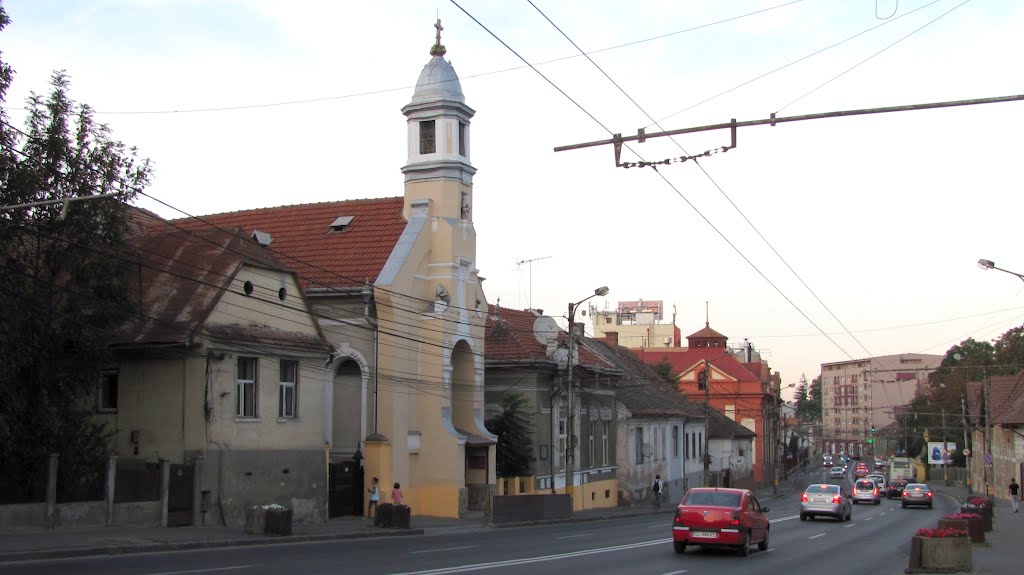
(677, 519)
(854, 490)
(929, 494)
(735, 518)
(837, 499)
(875, 491)
(906, 494)
(803, 498)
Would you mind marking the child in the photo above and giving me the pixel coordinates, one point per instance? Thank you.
(374, 492)
(396, 494)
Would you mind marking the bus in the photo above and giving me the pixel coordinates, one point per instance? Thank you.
(900, 467)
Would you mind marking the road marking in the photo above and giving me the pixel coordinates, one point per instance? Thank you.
(445, 549)
(848, 526)
(674, 572)
(869, 519)
(538, 559)
(816, 536)
(783, 519)
(661, 525)
(574, 536)
(211, 570)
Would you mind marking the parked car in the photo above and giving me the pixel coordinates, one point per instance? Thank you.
(916, 494)
(825, 499)
(837, 472)
(895, 488)
(879, 479)
(719, 517)
(866, 491)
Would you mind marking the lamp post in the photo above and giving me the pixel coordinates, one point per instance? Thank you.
(570, 438)
(990, 265)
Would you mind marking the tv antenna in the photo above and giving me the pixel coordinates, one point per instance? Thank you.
(530, 262)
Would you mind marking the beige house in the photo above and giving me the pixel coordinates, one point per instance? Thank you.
(221, 374)
(394, 285)
(1005, 445)
(861, 394)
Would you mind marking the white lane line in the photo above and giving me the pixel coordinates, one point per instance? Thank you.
(816, 536)
(661, 525)
(539, 559)
(849, 526)
(674, 572)
(869, 519)
(211, 570)
(574, 536)
(776, 520)
(444, 549)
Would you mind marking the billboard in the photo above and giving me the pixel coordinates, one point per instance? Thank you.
(939, 453)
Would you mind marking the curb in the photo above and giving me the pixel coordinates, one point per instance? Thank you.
(68, 552)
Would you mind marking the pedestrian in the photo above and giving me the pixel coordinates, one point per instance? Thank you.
(1014, 493)
(396, 494)
(374, 492)
(657, 488)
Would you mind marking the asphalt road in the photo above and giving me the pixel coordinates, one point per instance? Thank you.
(876, 541)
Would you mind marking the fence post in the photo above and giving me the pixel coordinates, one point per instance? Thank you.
(197, 490)
(165, 490)
(51, 491)
(111, 479)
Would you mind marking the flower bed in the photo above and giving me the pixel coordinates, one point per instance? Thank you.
(973, 523)
(981, 506)
(940, 550)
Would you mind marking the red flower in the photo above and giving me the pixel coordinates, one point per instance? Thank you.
(961, 516)
(941, 533)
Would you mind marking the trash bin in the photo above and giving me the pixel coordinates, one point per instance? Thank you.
(385, 515)
(278, 521)
(402, 516)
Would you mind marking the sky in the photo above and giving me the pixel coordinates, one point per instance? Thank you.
(819, 241)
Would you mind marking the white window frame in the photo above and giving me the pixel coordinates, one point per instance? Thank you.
(286, 387)
(244, 384)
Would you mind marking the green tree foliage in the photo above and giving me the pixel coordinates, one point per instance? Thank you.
(809, 409)
(513, 424)
(665, 370)
(64, 282)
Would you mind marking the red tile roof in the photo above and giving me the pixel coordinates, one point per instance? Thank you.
(302, 238)
(509, 336)
(720, 359)
(706, 333)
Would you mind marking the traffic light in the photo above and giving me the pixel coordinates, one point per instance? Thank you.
(871, 440)
(872, 429)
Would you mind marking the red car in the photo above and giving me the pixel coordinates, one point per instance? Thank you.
(861, 470)
(720, 517)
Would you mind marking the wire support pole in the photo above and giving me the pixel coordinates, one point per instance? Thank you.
(618, 139)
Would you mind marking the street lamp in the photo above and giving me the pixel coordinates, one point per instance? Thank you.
(570, 439)
(991, 265)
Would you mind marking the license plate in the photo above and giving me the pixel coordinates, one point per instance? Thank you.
(917, 494)
(703, 534)
(819, 499)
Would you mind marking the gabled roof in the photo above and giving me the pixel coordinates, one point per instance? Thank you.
(706, 333)
(1005, 399)
(720, 359)
(642, 389)
(302, 237)
(182, 275)
(509, 337)
(719, 426)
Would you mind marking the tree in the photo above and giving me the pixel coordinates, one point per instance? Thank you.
(513, 424)
(810, 408)
(666, 371)
(65, 274)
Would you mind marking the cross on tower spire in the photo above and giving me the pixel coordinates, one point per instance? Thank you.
(438, 48)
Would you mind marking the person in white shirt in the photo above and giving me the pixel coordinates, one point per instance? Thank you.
(657, 488)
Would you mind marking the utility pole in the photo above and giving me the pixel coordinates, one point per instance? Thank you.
(988, 435)
(945, 456)
(707, 405)
(570, 449)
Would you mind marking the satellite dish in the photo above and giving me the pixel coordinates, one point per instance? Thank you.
(545, 329)
(647, 450)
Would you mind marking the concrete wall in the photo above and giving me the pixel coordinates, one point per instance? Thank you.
(22, 515)
(296, 479)
(138, 514)
(80, 514)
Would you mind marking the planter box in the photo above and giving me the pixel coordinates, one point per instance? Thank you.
(940, 555)
(984, 511)
(393, 516)
(268, 521)
(255, 520)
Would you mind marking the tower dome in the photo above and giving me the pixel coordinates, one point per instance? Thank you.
(438, 82)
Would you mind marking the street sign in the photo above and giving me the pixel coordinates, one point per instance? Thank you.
(967, 453)
(988, 459)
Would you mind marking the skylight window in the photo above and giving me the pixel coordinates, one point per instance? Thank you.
(341, 223)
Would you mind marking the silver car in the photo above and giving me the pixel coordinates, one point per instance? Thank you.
(825, 499)
(866, 491)
(837, 472)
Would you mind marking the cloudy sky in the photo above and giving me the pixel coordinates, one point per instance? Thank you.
(818, 240)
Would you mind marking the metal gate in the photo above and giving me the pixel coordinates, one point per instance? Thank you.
(345, 493)
(179, 497)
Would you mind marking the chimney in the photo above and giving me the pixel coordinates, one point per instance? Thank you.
(612, 337)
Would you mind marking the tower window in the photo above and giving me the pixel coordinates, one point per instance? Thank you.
(428, 140)
(462, 139)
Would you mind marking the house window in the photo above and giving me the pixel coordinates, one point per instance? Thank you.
(108, 393)
(288, 390)
(700, 445)
(593, 432)
(639, 445)
(245, 387)
(604, 442)
(428, 142)
(462, 139)
(675, 441)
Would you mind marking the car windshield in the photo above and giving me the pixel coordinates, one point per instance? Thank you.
(720, 498)
(822, 488)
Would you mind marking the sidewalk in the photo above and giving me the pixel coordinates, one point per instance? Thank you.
(1002, 553)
